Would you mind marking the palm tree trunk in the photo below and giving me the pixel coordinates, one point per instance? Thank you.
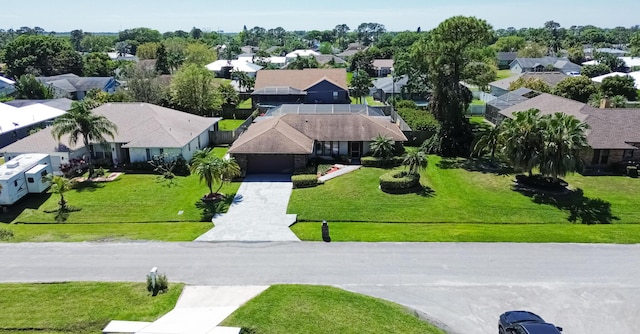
(219, 187)
(90, 157)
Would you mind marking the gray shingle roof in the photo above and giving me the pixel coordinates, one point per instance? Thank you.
(386, 84)
(550, 78)
(563, 64)
(73, 83)
(62, 103)
(506, 56)
(609, 128)
(295, 134)
(139, 125)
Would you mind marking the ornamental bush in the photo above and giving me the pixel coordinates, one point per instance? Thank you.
(304, 180)
(379, 162)
(398, 181)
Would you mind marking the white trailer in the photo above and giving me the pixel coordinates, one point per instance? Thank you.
(24, 174)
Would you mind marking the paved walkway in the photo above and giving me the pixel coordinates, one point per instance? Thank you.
(341, 171)
(198, 311)
(258, 213)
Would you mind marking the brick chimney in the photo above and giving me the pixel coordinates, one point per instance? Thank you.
(605, 103)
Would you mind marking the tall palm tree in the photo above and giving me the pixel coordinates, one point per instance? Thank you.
(489, 140)
(80, 121)
(563, 138)
(212, 169)
(415, 160)
(523, 138)
(382, 147)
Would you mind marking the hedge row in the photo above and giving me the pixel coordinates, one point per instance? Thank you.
(304, 180)
(380, 162)
(396, 181)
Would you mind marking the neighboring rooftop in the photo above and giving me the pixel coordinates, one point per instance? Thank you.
(387, 84)
(73, 83)
(550, 78)
(300, 79)
(13, 118)
(319, 109)
(62, 103)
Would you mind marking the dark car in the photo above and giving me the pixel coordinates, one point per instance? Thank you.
(525, 322)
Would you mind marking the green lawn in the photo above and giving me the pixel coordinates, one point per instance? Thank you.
(319, 309)
(131, 198)
(370, 101)
(455, 232)
(245, 104)
(454, 194)
(349, 77)
(182, 231)
(229, 124)
(502, 74)
(79, 307)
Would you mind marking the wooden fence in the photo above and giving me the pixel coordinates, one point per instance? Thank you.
(228, 137)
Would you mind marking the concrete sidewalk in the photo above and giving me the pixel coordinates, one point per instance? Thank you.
(258, 212)
(198, 311)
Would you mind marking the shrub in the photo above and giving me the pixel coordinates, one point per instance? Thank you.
(419, 120)
(6, 234)
(398, 181)
(304, 180)
(380, 162)
(100, 172)
(632, 171)
(306, 170)
(181, 168)
(162, 284)
(405, 104)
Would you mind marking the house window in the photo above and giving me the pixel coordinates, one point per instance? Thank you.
(327, 148)
(600, 157)
(335, 96)
(148, 151)
(30, 180)
(15, 183)
(627, 154)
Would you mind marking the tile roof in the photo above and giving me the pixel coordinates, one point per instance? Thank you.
(296, 133)
(300, 79)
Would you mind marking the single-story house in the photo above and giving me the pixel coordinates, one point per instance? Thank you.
(590, 52)
(500, 87)
(17, 122)
(635, 75)
(384, 88)
(521, 65)
(144, 130)
(629, 62)
(120, 56)
(324, 60)
(75, 87)
(7, 86)
(281, 144)
(351, 50)
(505, 59)
(494, 106)
(310, 85)
(300, 53)
(382, 67)
(223, 68)
(613, 134)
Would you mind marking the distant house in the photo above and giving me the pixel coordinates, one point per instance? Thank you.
(613, 134)
(300, 53)
(75, 87)
(223, 68)
(521, 65)
(17, 121)
(120, 56)
(500, 87)
(326, 60)
(591, 52)
(384, 88)
(352, 49)
(144, 130)
(383, 67)
(504, 101)
(310, 85)
(634, 75)
(630, 63)
(7, 86)
(505, 59)
(283, 143)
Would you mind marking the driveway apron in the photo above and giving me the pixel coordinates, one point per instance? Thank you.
(258, 212)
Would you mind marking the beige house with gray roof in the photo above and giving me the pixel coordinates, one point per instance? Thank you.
(144, 130)
(283, 143)
(613, 134)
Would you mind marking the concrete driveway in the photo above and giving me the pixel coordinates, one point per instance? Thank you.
(586, 289)
(258, 212)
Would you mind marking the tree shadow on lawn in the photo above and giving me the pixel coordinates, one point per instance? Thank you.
(483, 165)
(63, 214)
(210, 209)
(421, 190)
(31, 201)
(581, 209)
(88, 186)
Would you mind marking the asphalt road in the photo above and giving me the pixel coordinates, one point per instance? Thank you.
(586, 289)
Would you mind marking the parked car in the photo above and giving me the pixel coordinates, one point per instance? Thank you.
(525, 322)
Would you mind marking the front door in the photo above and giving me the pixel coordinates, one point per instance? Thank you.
(355, 149)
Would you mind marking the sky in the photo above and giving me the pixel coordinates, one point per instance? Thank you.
(231, 16)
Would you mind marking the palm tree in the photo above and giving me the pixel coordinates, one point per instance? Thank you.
(415, 160)
(60, 185)
(382, 147)
(212, 169)
(81, 121)
(563, 138)
(523, 138)
(489, 140)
